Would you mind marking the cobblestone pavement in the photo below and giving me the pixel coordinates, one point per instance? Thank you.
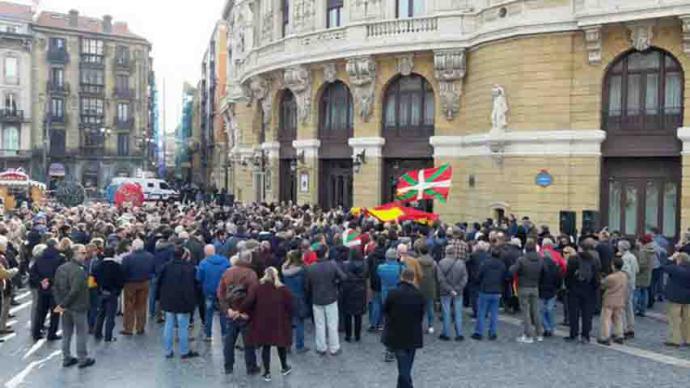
(138, 362)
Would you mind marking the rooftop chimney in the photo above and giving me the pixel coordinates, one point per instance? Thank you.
(107, 24)
(74, 18)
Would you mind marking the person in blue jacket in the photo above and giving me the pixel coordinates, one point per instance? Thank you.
(209, 272)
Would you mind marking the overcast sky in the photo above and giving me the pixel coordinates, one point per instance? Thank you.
(178, 30)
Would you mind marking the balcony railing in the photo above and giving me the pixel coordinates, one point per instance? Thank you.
(96, 90)
(402, 26)
(124, 124)
(58, 56)
(11, 115)
(54, 87)
(122, 64)
(91, 121)
(123, 93)
(92, 60)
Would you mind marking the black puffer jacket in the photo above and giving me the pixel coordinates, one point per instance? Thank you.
(375, 258)
(177, 287)
(551, 279)
(354, 288)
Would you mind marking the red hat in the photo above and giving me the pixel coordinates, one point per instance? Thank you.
(646, 239)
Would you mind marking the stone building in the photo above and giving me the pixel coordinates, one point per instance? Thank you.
(213, 143)
(540, 106)
(91, 81)
(15, 86)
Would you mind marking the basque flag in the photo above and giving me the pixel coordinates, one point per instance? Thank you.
(430, 183)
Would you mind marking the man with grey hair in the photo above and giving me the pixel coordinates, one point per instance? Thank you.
(631, 268)
(72, 298)
(138, 268)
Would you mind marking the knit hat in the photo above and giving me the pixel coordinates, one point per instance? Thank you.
(391, 254)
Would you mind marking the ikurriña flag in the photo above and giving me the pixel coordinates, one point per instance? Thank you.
(429, 183)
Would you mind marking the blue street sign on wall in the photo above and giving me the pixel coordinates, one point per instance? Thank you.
(544, 179)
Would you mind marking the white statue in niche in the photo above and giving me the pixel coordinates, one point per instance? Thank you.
(499, 119)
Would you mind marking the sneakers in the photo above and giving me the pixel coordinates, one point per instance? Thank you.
(540, 339)
(444, 337)
(459, 338)
(430, 330)
(476, 336)
(337, 352)
(86, 363)
(266, 377)
(618, 340)
(523, 339)
(606, 342)
(286, 371)
(629, 334)
(548, 334)
(190, 354)
(66, 363)
(493, 337)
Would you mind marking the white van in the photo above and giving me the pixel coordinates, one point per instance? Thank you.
(154, 189)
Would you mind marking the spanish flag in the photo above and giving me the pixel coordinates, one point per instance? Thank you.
(396, 212)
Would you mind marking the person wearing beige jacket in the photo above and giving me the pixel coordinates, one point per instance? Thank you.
(615, 288)
(6, 274)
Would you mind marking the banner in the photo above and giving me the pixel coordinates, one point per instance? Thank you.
(430, 183)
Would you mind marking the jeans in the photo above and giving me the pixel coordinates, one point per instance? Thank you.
(456, 302)
(547, 314)
(94, 305)
(182, 321)
(488, 304)
(326, 320)
(640, 300)
(235, 328)
(429, 307)
(529, 304)
(106, 313)
(375, 310)
(473, 296)
(298, 324)
(211, 302)
(656, 290)
(405, 360)
(74, 322)
(153, 297)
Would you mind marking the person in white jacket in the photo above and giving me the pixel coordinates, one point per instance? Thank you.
(631, 268)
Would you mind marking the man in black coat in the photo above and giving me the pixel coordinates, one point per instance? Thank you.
(110, 279)
(41, 277)
(403, 311)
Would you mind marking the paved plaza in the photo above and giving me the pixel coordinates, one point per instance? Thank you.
(138, 362)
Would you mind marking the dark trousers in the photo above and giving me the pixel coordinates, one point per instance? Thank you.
(473, 295)
(94, 305)
(45, 304)
(348, 326)
(580, 308)
(266, 357)
(405, 360)
(235, 328)
(656, 289)
(106, 313)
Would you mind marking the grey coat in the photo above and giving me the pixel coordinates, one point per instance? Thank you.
(452, 276)
(322, 282)
(71, 290)
(528, 270)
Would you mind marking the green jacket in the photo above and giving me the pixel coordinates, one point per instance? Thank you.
(71, 289)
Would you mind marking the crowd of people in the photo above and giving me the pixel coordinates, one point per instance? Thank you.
(266, 271)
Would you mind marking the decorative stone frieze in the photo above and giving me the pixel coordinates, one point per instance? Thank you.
(593, 44)
(330, 72)
(641, 34)
(260, 87)
(298, 80)
(450, 68)
(405, 64)
(362, 73)
(685, 25)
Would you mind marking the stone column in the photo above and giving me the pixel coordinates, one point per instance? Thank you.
(684, 136)
(309, 170)
(272, 172)
(367, 183)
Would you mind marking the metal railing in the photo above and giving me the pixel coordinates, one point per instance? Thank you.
(9, 114)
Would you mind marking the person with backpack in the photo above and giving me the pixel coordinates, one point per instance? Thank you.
(234, 292)
(582, 281)
(452, 278)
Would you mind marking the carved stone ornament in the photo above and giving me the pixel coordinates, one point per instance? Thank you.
(232, 129)
(641, 35)
(405, 64)
(685, 24)
(499, 111)
(298, 80)
(260, 88)
(449, 69)
(593, 44)
(330, 72)
(362, 73)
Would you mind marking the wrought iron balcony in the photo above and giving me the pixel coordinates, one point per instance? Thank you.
(124, 124)
(58, 56)
(123, 93)
(95, 90)
(91, 121)
(92, 60)
(56, 88)
(11, 115)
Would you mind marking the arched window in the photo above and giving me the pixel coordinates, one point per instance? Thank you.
(335, 112)
(409, 107)
(288, 118)
(643, 92)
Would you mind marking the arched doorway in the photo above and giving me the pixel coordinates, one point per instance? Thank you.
(408, 123)
(335, 158)
(287, 133)
(641, 169)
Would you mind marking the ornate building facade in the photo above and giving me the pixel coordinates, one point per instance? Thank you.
(540, 106)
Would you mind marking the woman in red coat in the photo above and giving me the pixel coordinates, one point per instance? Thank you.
(270, 323)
